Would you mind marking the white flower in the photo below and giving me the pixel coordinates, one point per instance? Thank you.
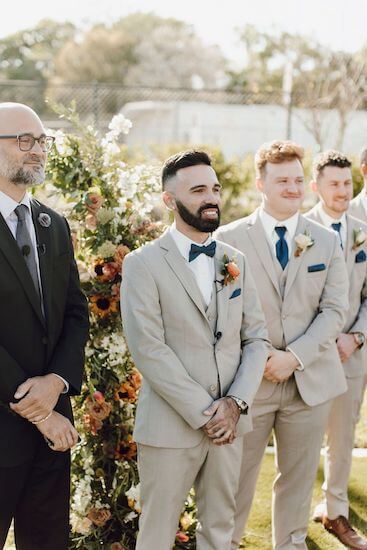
(130, 516)
(133, 495)
(62, 145)
(106, 250)
(105, 215)
(359, 237)
(120, 125)
(80, 525)
(303, 241)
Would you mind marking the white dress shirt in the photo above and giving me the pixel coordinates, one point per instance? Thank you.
(328, 220)
(269, 224)
(203, 266)
(7, 210)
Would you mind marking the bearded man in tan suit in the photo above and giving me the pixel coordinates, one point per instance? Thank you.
(332, 181)
(196, 332)
(301, 278)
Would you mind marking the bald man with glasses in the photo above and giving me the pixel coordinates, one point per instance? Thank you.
(43, 330)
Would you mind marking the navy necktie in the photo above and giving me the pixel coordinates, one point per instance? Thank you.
(337, 227)
(281, 246)
(196, 250)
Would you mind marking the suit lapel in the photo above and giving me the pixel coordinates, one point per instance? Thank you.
(14, 257)
(44, 251)
(296, 261)
(222, 291)
(258, 238)
(182, 271)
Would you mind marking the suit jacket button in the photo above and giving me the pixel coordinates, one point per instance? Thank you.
(44, 340)
(213, 387)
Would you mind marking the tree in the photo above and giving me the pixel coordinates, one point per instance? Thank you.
(29, 54)
(144, 50)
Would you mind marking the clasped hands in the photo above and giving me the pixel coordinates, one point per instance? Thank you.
(221, 428)
(38, 397)
(280, 366)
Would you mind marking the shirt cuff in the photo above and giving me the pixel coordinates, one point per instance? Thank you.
(301, 366)
(66, 389)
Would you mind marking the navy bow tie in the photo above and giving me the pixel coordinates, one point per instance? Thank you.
(196, 250)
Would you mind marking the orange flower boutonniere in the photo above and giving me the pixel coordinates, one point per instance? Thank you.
(230, 270)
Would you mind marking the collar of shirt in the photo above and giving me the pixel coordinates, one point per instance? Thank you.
(183, 243)
(328, 220)
(8, 205)
(269, 223)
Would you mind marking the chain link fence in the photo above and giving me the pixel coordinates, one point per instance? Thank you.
(97, 103)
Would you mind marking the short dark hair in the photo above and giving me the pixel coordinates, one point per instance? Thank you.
(329, 158)
(184, 159)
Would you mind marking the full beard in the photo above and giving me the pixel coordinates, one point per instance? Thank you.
(195, 220)
(28, 178)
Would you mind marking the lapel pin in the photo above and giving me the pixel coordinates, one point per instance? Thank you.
(44, 219)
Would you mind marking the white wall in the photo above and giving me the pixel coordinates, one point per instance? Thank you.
(237, 129)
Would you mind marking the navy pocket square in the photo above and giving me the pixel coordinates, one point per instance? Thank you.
(316, 267)
(235, 293)
(361, 257)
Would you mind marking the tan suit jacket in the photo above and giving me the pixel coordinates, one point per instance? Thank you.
(312, 312)
(185, 365)
(356, 208)
(357, 273)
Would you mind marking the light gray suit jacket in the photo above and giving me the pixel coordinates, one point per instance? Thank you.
(356, 208)
(356, 261)
(185, 365)
(313, 309)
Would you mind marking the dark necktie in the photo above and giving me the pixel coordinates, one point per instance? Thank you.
(281, 246)
(196, 250)
(337, 227)
(24, 242)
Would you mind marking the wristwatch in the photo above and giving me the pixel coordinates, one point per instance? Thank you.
(242, 406)
(359, 338)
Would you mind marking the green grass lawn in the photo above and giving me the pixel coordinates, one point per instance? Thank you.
(258, 532)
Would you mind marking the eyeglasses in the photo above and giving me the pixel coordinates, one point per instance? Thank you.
(26, 141)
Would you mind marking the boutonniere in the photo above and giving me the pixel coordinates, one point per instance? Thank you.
(303, 241)
(359, 238)
(44, 219)
(230, 270)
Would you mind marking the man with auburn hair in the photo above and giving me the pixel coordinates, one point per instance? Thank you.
(302, 283)
(332, 181)
(43, 331)
(196, 332)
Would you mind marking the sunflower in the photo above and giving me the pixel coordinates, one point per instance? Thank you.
(126, 450)
(102, 306)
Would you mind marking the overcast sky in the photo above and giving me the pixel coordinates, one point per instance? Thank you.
(341, 24)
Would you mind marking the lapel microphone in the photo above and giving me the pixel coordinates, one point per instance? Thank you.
(41, 248)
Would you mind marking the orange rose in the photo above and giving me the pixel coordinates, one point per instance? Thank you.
(91, 424)
(93, 202)
(97, 410)
(106, 271)
(116, 546)
(121, 251)
(99, 516)
(233, 270)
